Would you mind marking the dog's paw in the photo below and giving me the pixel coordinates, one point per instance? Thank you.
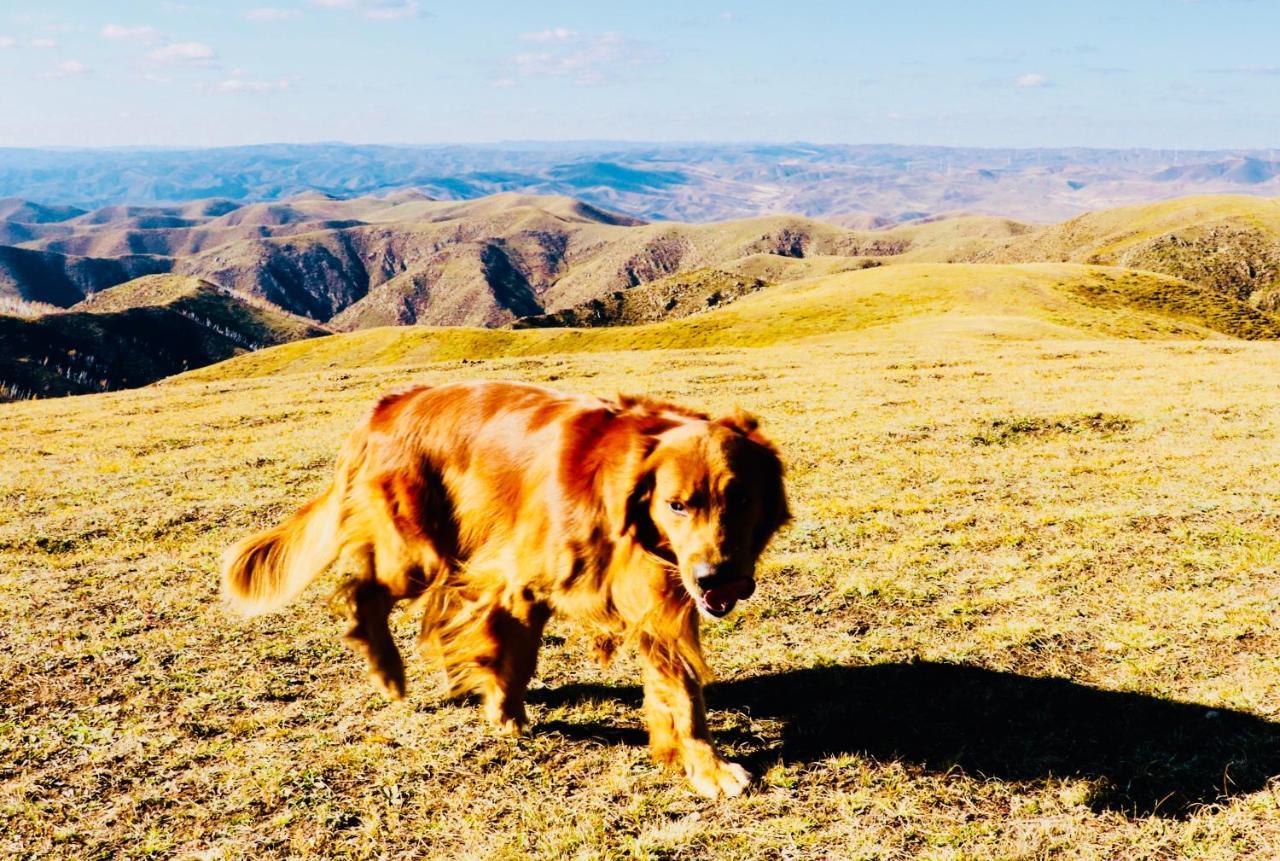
(512, 727)
(719, 777)
(391, 685)
(505, 723)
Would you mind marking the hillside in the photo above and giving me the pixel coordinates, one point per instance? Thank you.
(1027, 608)
(405, 258)
(1030, 300)
(134, 334)
(514, 260)
(63, 280)
(671, 298)
(1231, 244)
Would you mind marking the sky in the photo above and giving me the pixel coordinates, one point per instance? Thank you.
(1123, 73)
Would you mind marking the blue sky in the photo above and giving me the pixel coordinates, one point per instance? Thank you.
(1153, 73)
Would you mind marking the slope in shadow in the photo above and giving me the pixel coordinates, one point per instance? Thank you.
(1152, 757)
(511, 289)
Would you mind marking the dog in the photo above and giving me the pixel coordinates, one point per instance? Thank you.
(496, 504)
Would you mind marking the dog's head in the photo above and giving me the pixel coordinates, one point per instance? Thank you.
(708, 498)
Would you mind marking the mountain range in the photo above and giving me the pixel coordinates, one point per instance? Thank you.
(124, 295)
(861, 186)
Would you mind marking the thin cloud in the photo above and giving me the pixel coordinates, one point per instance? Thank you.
(583, 58)
(555, 34)
(183, 52)
(1248, 69)
(7, 42)
(42, 44)
(119, 31)
(1031, 81)
(1006, 56)
(271, 13)
(68, 69)
(240, 85)
(1077, 49)
(376, 10)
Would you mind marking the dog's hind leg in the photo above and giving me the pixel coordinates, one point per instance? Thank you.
(517, 635)
(367, 602)
(398, 562)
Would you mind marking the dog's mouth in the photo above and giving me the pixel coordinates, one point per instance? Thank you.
(719, 601)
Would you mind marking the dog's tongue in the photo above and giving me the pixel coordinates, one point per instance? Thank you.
(721, 599)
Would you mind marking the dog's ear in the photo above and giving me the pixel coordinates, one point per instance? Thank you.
(775, 513)
(744, 423)
(636, 519)
(768, 475)
(628, 483)
(636, 511)
(741, 421)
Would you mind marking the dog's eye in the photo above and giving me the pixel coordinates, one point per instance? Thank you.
(677, 506)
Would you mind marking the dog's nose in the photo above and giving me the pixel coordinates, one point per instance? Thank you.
(705, 574)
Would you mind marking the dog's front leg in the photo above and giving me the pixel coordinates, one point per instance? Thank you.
(677, 721)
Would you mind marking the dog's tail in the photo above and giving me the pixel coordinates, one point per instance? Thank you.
(264, 572)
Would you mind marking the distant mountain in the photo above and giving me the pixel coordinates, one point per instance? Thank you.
(857, 185)
(404, 258)
(134, 334)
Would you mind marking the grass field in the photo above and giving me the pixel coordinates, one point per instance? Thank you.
(1027, 609)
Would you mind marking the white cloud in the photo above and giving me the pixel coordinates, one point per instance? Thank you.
(271, 13)
(7, 42)
(67, 69)
(240, 85)
(390, 10)
(581, 57)
(71, 67)
(555, 34)
(1031, 80)
(42, 44)
(118, 31)
(183, 52)
(377, 10)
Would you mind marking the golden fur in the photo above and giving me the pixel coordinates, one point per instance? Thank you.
(497, 504)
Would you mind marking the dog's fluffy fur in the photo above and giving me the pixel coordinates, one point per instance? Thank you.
(497, 504)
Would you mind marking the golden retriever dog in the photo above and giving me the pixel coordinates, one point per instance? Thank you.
(494, 505)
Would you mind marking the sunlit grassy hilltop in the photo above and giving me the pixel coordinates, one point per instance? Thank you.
(1059, 299)
(1027, 608)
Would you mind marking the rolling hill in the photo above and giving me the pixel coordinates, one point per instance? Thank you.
(408, 259)
(514, 260)
(1228, 243)
(134, 334)
(669, 298)
(992, 300)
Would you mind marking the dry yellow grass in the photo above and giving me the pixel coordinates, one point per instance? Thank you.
(1027, 609)
(1105, 235)
(1069, 300)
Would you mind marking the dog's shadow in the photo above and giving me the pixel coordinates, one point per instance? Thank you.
(1147, 756)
